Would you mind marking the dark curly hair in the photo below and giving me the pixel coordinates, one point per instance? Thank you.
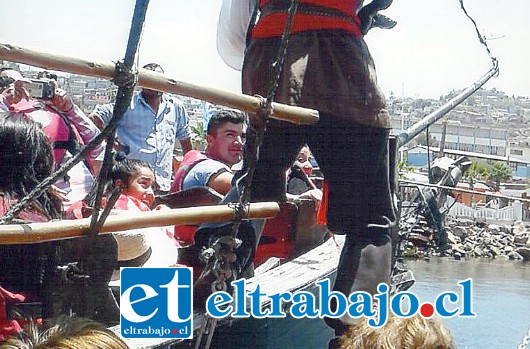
(25, 160)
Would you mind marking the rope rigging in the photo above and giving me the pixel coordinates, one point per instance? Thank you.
(481, 38)
(398, 270)
(251, 152)
(217, 261)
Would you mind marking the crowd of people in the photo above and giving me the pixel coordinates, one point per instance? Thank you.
(149, 129)
(350, 143)
(38, 135)
(41, 134)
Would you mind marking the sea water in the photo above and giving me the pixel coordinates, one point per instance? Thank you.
(501, 298)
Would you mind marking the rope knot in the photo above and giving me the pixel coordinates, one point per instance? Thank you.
(124, 77)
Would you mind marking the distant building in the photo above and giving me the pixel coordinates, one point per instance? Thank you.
(481, 139)
(418, 156)
(519, 158)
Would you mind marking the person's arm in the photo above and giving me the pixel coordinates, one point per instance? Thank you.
(96, 119)
(183, 129)
(313, 194)
(101, 115)
(86, 129)
(209, 173)
(186, 145)
(221, 182)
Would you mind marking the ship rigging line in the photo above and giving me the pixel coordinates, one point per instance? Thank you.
(407, 135)
(250, 159)
(126, 80)
(459, 190)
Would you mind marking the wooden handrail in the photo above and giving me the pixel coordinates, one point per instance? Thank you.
(156, 81)
(14, 234)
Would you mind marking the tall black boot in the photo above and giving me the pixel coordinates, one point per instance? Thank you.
(364, 263)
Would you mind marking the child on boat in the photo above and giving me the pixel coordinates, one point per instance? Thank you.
(147, 247)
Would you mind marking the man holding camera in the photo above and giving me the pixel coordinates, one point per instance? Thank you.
(67, 127)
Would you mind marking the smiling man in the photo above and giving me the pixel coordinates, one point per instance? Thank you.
(225, 136)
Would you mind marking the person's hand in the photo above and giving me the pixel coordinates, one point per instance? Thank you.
(313, 194)
(161, 207)
(62, 101)
(13, 93)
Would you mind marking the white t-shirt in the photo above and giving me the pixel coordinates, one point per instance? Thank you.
(232, 26)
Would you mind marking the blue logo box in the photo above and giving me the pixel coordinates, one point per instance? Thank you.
(156, 303)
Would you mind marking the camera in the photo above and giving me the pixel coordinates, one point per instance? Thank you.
(41, 88)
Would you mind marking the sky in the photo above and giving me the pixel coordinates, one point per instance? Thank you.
(433, 50)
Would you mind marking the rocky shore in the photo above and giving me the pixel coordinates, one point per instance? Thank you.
(470, 239)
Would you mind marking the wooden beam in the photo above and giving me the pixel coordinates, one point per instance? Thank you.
(14, 234)
(156, 81)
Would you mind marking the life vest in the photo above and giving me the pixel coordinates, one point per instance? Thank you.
(310, 15)
(192, 158)
(9, 327)
(57, 127)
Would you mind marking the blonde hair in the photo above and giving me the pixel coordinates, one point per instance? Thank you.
(415, 332)
(66, 333)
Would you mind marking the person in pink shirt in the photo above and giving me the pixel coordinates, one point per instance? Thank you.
(65, 124)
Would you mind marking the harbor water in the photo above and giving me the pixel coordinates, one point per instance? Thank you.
(501, 298)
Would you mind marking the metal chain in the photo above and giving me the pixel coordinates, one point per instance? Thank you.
(525, 341)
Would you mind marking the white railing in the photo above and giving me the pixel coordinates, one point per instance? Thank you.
(508, 213)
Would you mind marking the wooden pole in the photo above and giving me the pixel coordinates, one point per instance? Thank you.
(155, 81)
(14, 234)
